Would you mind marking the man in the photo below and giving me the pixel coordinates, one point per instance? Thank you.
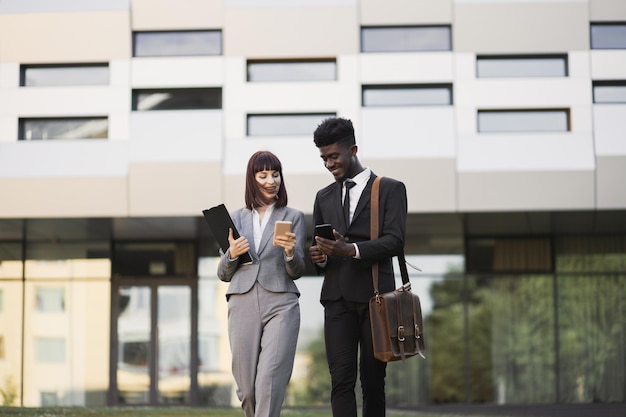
(346, 264)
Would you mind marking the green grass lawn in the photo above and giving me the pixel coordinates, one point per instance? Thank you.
(170, 412)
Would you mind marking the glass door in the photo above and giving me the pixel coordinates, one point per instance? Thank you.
(154, 343)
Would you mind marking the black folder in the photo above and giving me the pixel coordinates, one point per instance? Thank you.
(219, 221)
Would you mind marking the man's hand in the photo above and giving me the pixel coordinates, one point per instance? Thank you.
(317, 256)
(337, 247)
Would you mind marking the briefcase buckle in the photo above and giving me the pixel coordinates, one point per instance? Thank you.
(401, 333)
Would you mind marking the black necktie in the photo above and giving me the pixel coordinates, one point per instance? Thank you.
(346, 200)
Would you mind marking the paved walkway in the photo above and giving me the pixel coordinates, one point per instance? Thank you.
(552, 410)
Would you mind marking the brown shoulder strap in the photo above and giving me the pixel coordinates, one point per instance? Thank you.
(374, 225)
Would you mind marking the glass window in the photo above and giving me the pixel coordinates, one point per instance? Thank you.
(406, 38)
(521, 66)
(153, 259)
(608, 35)
(407, 95)
(64, 128)
(177, 99)
(55, 75)
(285, 124)
(523, 120)
(513, 255)
(50, 300)
(609, 91)
(318, 70)
(179, 43)
(50, 350)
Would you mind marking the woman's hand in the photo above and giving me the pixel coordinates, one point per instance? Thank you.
(237, 246)
(286, 241)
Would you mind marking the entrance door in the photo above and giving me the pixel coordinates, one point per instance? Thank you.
(156, 345)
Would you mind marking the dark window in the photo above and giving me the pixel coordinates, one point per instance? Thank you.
(296, 70)
(285, 124)
(538, 120)
(608, 35)
(609, 91)
(406, 38)
(509, 255)
(177, 99)
(179, 43)
(56, 75)
(63, 128)
(407, 95)
(521, 66)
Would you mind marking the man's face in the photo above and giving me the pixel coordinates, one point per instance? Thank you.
(338, 160)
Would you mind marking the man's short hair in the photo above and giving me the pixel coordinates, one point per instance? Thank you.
(334, 130)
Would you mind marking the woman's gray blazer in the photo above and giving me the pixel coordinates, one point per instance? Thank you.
(268, 265)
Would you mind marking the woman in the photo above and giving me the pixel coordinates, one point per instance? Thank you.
(263, 308)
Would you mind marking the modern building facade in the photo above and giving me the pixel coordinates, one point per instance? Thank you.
(121, 120)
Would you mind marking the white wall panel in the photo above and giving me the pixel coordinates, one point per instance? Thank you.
(524, 93)
(65, 101)
(65, 37)
(56, 6)
(177, 72)
(176, 14)
(406, 68)
(408, 12)
(293, 32)
(63, 158)
(518, 152)
(609, 124)
(608, 64)
(119, 73)
(407, 132)
(430, 182)
(520, 191)
(607, 10)
(610, 182)
(514, 26)
(177, 135)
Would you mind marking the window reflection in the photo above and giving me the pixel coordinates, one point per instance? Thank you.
(50, 300)
(64, 128)
(608, 36)
(177, 99)
(609, 91)
(521, 66)
(292, 71)
(133, 332)
(177, 43)
(174, 347)
(409, 95)
(523, 121)
(58, 75)
(406, 39)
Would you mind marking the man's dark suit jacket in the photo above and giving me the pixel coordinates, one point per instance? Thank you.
(352, 278)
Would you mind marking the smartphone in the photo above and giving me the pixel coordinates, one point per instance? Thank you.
(325, 231)
(281, 227)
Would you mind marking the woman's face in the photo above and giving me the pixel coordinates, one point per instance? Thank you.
(269, 183)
